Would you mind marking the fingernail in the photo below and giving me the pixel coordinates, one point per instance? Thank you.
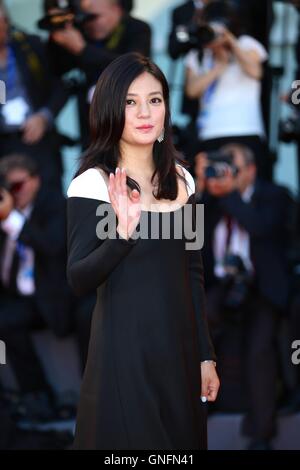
(123, 170)
(203, 399)
(117, 169)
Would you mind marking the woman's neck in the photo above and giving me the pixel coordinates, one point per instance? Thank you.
(137, 160)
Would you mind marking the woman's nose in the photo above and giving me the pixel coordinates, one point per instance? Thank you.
(143, 110)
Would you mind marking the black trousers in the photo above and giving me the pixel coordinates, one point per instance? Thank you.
(258, 321)
(18, 316)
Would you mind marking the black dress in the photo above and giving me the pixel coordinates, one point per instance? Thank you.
(141, 387)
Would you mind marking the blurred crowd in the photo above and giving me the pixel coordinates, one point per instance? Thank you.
(251, 249)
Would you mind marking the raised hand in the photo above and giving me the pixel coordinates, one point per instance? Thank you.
(126, 205)
(6, 203)
(34, 128)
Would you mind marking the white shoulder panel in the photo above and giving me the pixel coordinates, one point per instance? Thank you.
(90, 184)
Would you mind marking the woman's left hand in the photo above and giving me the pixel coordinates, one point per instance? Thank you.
(224, 38)
(229, 39)
(210, 381)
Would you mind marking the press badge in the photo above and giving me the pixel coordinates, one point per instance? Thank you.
(15, 111)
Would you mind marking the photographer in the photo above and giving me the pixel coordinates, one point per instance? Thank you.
(33, 99)
(226, 78)
(106, 30)
(244, 258)
(184, 19)
(33, 285)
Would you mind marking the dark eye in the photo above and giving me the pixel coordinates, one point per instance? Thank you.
(129, 101)
(156, 100)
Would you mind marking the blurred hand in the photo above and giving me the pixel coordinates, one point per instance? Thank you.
(225, 39)
(199, 169)
(6, 203)
(219, 187)
(222, 57)
(210, 383)
(285, 97)
(34, 128)
(127, 207)
(69, 38)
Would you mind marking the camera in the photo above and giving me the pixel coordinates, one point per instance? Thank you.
(197, 36)
(209, 26)
(218, 165)
(237, 281)
(289, 129)
(58, 13)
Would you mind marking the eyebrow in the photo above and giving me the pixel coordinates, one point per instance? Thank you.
(150, 94)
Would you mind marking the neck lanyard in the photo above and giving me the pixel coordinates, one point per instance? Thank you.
(10, 70)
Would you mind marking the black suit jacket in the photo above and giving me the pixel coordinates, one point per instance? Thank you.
(132, 35)
(264, 218)
(45, 233)
(43, 88)
(182, 15)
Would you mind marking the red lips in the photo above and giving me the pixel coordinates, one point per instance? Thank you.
(145, 126)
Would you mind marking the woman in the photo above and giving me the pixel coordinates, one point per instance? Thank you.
(227, 81)
(141, 387)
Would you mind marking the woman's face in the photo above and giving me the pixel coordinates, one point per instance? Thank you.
(144, 111)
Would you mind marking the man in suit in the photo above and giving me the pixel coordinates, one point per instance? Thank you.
(245, 239)
(33, 99)
(34, 290)
(111, 31)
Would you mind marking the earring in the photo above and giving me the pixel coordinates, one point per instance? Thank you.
(161, 137)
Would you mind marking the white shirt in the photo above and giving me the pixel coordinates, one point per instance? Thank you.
(231, 107)
(239, 241)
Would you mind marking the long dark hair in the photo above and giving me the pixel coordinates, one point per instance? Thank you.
(107, 119)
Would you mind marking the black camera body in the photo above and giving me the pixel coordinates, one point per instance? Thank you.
(289, 129)
(59, 13)
(213, 18)
(237, 282)
(196, 36)
(219, 163)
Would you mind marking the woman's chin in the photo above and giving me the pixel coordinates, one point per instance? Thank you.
(144, 140)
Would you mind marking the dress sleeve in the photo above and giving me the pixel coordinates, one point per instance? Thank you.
(196, 272)
(94, 246)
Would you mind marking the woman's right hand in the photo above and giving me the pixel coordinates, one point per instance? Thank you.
(222, 57)
(6, 203)
(126, 206)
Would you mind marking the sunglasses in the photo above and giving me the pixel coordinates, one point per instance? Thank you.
(17, 185)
